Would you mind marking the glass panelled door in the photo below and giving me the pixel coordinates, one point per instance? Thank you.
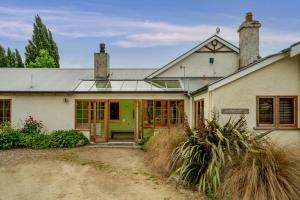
(98, 120)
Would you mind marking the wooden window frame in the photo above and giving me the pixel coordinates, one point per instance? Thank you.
(258, 124)
(276, 113)
(10, 109)
(168, 113)
(89, 117)
(198, 105)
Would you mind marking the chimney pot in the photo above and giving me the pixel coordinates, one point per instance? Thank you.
(249, 17)
(102, 47)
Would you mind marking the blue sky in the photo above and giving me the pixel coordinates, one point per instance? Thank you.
(144, 33)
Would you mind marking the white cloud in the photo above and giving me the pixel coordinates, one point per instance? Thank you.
(16, 23)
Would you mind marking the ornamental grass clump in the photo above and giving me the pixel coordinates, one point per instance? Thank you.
(198, 161)
(160, 147)
(265, 172)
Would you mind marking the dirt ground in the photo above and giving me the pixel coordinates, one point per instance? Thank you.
(83, 173)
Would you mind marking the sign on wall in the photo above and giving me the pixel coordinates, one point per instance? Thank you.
(235, 111)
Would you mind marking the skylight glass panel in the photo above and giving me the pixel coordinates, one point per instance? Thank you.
(160, 84)
(99, 86)
(129, 86)
(85, 85)
(143, 86)
(115, 85)
(173, 84)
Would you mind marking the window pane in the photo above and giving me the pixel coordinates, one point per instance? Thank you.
(176, 111)
(161, 114)
(4, 111)
(114, 111)
(148, 112)
(82, 115)
(286, 110)
(266, 111)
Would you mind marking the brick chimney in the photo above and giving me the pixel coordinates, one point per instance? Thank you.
(101, 63)
(249, 40)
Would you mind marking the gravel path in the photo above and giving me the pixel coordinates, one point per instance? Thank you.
(83, 173)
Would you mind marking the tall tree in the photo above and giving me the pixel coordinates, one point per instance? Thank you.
(19, 62)
(41, 39)
(43, 60)
(3, 58)
(11, 58)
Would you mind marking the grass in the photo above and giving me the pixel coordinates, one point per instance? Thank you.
(268, 172)
(160, 147)
(73, 157)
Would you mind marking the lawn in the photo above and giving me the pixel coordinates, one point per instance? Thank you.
(83, 173)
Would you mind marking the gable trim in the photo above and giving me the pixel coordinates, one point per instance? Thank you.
(188, 53)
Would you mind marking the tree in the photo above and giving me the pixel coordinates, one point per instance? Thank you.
(11, 58)
(41, 40)
(3, 58)
(19, 62)
(43, 60)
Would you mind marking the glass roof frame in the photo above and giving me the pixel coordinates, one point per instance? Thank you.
(129, 85)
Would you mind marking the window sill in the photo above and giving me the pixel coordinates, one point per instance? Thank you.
(275, 129)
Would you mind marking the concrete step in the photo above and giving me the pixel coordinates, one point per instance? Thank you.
(125, 145)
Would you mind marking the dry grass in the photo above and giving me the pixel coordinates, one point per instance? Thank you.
(269, 173)
(160, 148)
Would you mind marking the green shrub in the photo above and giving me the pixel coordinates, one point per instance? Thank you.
(63, 139)
(10, 139)
(198, 161)
(32, 126)
(36, 141)
(67, 139)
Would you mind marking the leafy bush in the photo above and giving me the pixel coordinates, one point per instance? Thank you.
(5, 126)
(10, 139)
(198, 161)
(64, 139)
(67, 139)
(36, 141)
(267, 172)
(32, 125)
(160, 148)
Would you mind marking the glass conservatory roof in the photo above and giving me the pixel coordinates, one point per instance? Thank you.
(129, 85)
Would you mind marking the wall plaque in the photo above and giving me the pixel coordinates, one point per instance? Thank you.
(235, 111)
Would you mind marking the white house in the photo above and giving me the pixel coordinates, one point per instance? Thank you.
(107, 103)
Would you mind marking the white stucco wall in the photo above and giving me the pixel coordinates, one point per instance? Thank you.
(197, 65)
(279, 78)
(57, 114)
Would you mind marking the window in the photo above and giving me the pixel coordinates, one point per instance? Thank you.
(148, 113)
(199, 113)
(277, 112)
(114, 111)
(163, 113)
(82, 116)
(5, 111)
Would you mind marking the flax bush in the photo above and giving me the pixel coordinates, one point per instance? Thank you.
(198, 161)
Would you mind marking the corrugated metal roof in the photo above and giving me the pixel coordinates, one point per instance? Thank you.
(60, 80)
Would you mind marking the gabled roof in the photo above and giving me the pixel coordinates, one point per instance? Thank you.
(293, 50)
(188, 53)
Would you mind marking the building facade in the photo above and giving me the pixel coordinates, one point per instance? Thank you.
(126, 103)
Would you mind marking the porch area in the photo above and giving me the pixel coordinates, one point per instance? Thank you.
(126, 120)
